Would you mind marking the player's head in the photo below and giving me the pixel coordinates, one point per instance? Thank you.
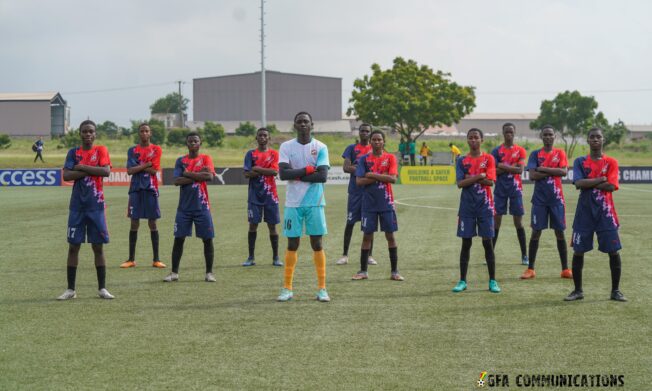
(144, 132)
(474, 138)
(193, 141)
(547, 135)
(303, 124)
(595, 139)
(377, 139)
(450, 145)
(508, 131)
(364, 132)
(262, 136)
(87, 132)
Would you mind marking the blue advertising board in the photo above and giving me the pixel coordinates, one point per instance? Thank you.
(39, 177)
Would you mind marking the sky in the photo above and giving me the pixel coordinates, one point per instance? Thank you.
(112, 59)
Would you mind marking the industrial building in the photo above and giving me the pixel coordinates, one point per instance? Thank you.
(35, 114)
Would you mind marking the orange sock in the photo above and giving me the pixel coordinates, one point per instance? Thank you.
(320, 266)
(290, 263)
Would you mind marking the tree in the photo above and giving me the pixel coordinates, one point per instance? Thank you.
(272, 129)
(572, 115)
(409, 98)
(158, 131)
(169, 104)
(5, 141)
(108, 129)
(212, 133)
(614, 133)
(246, 129)
(177, 136)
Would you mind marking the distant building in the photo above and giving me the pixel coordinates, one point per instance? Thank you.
(36, 114)
(492, 123)
(232, 99)
(638, 132)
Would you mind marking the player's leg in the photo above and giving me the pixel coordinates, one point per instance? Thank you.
(486, 231)
(153, 233)
(582, 243)
(292, 229)
(76, 234)
(389, 225)
(100, 269)
(368, 225)
(500, 206)
(273, 218)
(532, 257)
(182, 229)
(558, 223)
(134, 211)
(517, 211)
(353, 215)
(498, 219)
(466, 230)
(316, 227)
(205, 230)
(609, 242)
(254, 216)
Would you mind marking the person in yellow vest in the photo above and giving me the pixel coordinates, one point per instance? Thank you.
(455, 152)
(424, 152)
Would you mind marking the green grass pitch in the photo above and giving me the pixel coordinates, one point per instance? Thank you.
(375, 334)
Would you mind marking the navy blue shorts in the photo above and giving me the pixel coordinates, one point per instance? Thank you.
(387, 220)
(87, 227)
(255, 213)
(516, 207)
(143, 205)
(354, 208)
(468, 227)
(608, 241)
(548, 216)
(203, 224)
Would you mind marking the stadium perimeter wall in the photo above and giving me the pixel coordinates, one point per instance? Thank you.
(416, 175)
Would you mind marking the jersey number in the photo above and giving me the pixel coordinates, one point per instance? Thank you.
(71, 232)
(288, 224)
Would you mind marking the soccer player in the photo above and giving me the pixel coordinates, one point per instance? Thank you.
(596, 176)
(38, 148)
(143, 163)
(354, 204)
(87, 165)
(261, 167)
(476, 173)
(510, 160)
(303, 162)
(546, 167)
(424, 152)
(375, 174)
(191, 172)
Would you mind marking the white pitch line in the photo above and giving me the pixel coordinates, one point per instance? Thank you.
(421, 206)
(632, 188)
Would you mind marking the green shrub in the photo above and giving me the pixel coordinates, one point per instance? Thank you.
(177, 136)
(212, 133)
(70, 139)
(158, 131)
(5, 141)
(246, 129)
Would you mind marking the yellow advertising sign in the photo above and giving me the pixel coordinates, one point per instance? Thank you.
(427, 175)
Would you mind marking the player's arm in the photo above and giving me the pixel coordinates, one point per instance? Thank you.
(318, 176)
(73, 175)
(486, 182)
(364, 181)
(291, 174)
(251, 174)
(93, 170)
(590, 183)
(503, 168)
(349, 167)
(141, 167)
(536, 175)
(606, 186)
(472, 180)
(205, 175)
(264, 171)
(385, 178)
(559, 171)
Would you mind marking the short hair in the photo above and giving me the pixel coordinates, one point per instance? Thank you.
(263, 129)
(594, 129)
(192, 134)
(475, 130)
(144, 124)
(506, 124)
(547, 126)
(87, 122)
(365, 124)
(450, 145)
(380, 132)
(302, 113)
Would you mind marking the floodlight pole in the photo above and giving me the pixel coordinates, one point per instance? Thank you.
(262, 65)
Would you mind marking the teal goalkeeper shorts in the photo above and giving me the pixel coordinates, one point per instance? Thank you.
(312, 216)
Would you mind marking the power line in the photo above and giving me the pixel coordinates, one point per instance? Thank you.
(119, 88)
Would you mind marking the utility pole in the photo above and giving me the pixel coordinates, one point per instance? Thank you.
(262, 65)
(181, 119)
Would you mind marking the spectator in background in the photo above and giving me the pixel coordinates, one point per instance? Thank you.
(402, 149)
(455, 153)
(38, 148)
(412, 148)
(424, 153)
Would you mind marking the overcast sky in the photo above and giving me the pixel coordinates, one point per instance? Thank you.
(516, 53)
